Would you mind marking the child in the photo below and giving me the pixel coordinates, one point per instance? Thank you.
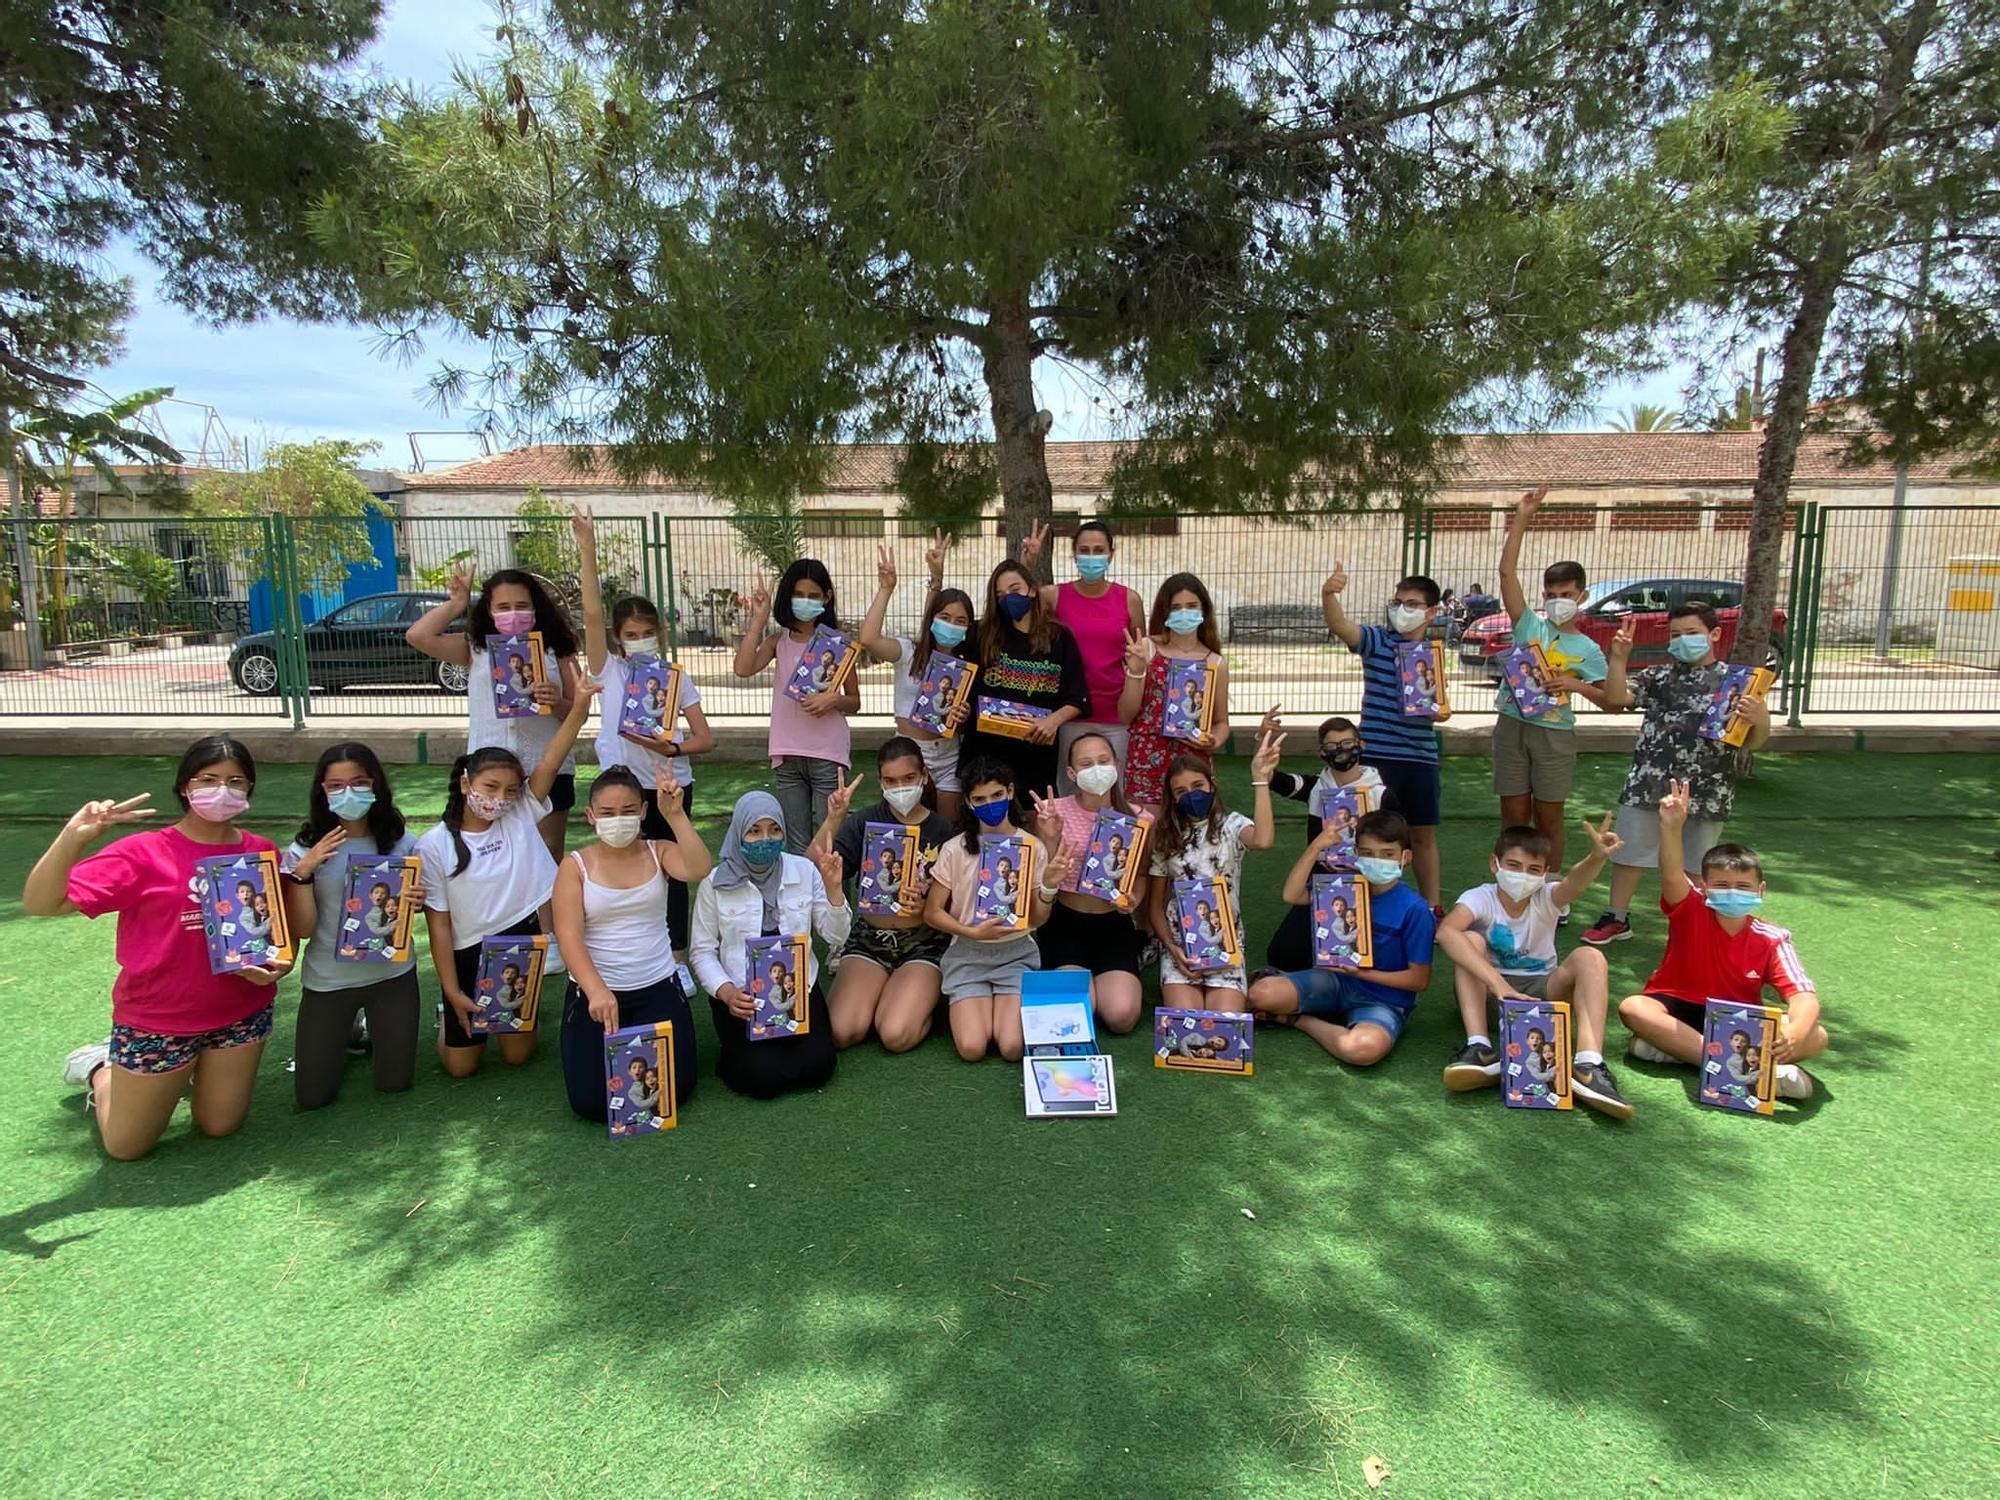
(1718, 949)
(1182, 628)
(760, 890)
(1402, 748)
(1502, 937)
(510, 602)
(1670, 750)
(811, 745)
(487, 874)
(1025, 657)
(1340, 751)
(1196, 838)
(947, 622)
(986, 958)
(1358, 1014)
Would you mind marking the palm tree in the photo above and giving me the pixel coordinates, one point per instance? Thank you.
(1644, 418)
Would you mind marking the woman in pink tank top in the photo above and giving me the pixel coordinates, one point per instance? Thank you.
(1099, 613)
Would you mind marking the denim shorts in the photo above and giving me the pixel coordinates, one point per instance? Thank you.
(139, 1051)
(1328, 996)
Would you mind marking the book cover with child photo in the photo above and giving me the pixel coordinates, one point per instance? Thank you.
(892, 875)
(1738, 1064)
(1202, 1041)
(1526, 670)
(378, 908)
(1420, 681)
(1206, 923)
(1535, 1054)
(825, 664)
(1189, 708)
(1006, 879)
(1003, 716)
(639, 1081)
(1342, 938)
(780, 987)
(945, 685)
(517, 668)
(243, 911)
(1115, 857)
(507, 990)
(1339, 808)
(1720, 721)
(652, 700)
(1069, 1087)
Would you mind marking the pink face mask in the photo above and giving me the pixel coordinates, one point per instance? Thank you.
(513, 621)
(218, 804)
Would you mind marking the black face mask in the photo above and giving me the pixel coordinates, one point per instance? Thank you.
(1343, 757)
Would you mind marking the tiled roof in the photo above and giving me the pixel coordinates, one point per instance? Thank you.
(1560, 459)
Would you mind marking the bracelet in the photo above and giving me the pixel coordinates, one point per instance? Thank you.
(1048, 893)
(1136, 676)
(293, 877)
(1260, 783)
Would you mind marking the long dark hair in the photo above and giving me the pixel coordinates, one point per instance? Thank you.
(1177, 830)
(385, 821)
(994, 626)
(982, 770)
(550, 618)
(781, 597)
(920, 647)
(1156, 624)
(463, 770)
(212, 750)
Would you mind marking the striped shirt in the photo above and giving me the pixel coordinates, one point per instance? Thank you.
(1704, 961)
(1391, 735)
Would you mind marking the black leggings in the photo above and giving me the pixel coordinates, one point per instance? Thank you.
(1291, 946)
(764, 1070)
(582, 1042)
(326, 1020)
(654, 826)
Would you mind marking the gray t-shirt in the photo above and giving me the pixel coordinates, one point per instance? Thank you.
(320, 970)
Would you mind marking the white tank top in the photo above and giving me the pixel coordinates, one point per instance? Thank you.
(626, 930)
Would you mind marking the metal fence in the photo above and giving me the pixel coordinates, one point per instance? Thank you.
(1883, 610)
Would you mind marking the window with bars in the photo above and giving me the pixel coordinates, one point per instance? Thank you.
(843, 523)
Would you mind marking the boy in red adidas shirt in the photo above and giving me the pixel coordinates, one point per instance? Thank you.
(1718, 949)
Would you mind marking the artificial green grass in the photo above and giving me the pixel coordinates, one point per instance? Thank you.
(901, 1287)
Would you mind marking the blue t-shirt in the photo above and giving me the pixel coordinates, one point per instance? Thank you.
(1391, 734)
(1404, 932)
(1574, 654)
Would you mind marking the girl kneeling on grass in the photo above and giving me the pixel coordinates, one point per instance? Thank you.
(487, 873)
(985, 960)
(172, 1021)
(611, 919)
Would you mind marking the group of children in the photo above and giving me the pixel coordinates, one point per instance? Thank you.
(643, 915)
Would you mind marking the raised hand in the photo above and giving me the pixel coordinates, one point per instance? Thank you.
(1265, 760)
(885, 567)
(759, 597)
(1056, 871)
(1047, 820)
(840, 799)
(458, 587)
(827, 860)
(1336, 581)
(1269, 724)
(1602, 840)
(1531, 502)
(669, 795)
(936, 553)
(1033, 544)
(321, 852)
(1140, 649)
(88, 821)
(1621, 643)
(1674, 806)
(583, 530)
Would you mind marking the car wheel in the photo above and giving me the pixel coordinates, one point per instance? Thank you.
(257, 673)
(452, 677)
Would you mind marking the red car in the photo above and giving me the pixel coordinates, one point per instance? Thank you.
(1646, 602)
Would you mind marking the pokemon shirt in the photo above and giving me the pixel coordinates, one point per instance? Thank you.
(1517, 945)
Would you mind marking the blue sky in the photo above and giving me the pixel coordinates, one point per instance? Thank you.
(285, 381)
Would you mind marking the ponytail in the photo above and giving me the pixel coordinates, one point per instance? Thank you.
(463, 770)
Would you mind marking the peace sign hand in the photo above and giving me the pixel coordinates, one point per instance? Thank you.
(1140, 649)
(1621, 642)
(935, 554)
(1674, 806)
(1033, 543)
(1602, 840)
(841, 798)
(583, 529)
(1265, 761)
(759, 597)
(458, 587)
(94, 817)
(1056, 871)
(1048, 819)
(885, 567)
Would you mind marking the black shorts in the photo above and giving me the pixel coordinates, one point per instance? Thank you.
(562, 795)
(1104, 942)
(466, 962)
(1416, 786)
(1685, 1011)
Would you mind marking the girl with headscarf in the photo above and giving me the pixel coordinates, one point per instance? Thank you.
(758, 890)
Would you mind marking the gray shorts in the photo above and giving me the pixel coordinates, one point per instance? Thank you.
(988, 968)
(1639, 827)
(1119, 735)
(1535, 985)
(1533, 760)
(941, 762)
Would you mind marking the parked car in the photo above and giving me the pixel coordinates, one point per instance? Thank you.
(1646, 602)
(361, 642)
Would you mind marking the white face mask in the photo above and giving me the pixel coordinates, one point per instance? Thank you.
(902, 798)
(1518, 885)
(1403, 618)
(1559, 611)
(618, 832)
(1097, 780)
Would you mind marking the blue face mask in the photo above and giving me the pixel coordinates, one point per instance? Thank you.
(1016, 606)
(1195, 802)
(351, 801)
(805, 610)
(947, 635)
(761, 852)
(1184, 621)
(1379, 871)
(1733, 903)
(1688, 648)
(1092, 569)
(993, 813)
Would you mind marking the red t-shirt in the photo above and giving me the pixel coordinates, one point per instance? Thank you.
(1703, 962)
(163, 983)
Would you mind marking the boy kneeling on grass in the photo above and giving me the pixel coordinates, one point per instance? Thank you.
(1502, 937)
(1357, 1014)
(1718, 950)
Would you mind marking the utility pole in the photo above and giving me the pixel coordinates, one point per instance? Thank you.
(24, 547)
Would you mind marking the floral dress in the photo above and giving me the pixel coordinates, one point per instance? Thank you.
(1147, 751)
(1204, 858)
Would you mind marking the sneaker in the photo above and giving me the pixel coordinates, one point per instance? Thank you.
(1437, 913)
(554, 963)
(1475, 1066)
(686, 977)
(1594, 1085)
(1607, 929)
(358, 1042)
(1794, 1082)
(1646, 1052)
(82, 1065)
(1562, 919)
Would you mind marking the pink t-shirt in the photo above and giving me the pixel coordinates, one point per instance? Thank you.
(1099, 626)
(1077, 821)
(163, 982)
(793, 730)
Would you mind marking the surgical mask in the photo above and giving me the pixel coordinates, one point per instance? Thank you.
(903, 798)
(218, 804)
(1379, 871)
(1518, 885)
(993, 813)
(351, 801)
(1559, 611)
(805, 610)
(1195, 802)
(513, 621)
(1403, 618)
(618, 831)
(1184, 621)
(947, 635)
(1097, 780)
(1092, 569)
(1342, 757)
(1016, 606)
(489, 808)
(761, 852)
(1733, 903)
(1688, 648)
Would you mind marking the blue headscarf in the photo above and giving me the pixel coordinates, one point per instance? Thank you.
(734, 869)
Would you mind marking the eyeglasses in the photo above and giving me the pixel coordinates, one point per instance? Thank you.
(358, 784)
(209, 783)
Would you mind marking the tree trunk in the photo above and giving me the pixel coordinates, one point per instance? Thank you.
(1018, 440)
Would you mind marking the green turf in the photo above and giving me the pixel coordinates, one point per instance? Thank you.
(900, 1287)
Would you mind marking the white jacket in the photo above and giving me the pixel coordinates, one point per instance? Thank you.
(726, 920)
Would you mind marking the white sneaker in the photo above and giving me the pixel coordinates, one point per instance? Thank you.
(1794, 1082)
(554, 964)
(1646, 1052)
(85, 1061)
(686, 977)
